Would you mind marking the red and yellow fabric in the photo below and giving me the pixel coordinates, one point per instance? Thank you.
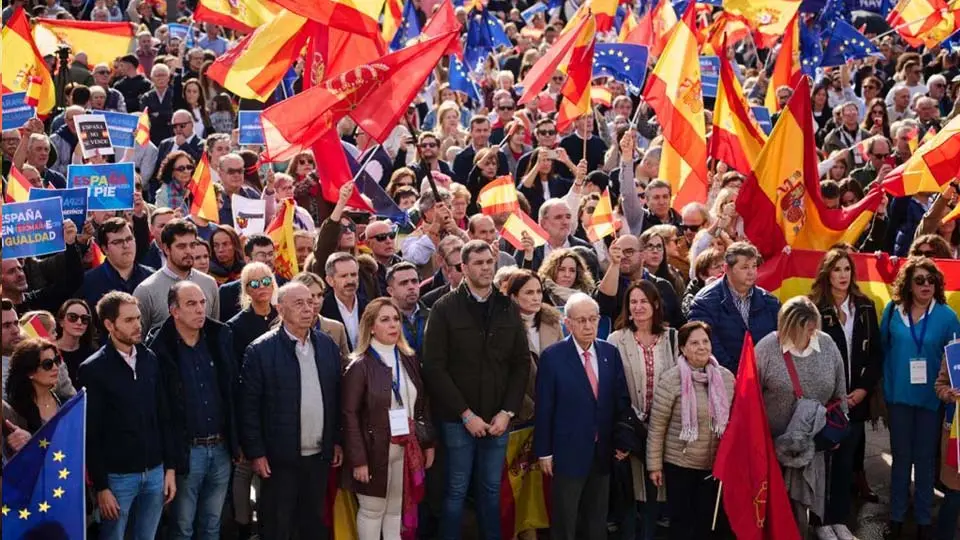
(579, 70)
(331, 51)
(767, 18)
(23, 61)
(444, 20)
(18, 187)
(605, 11)
(953, 443)
(602, 221)
(357, 16)
(256, 65)
(725, 27)
(96, 255)
(664, 21)
(523, 488)
(674, 91)
(786, 69)
(557, 55)
(628, 25)
(203, 203)
(498, 197)
(600, 96)
(142, 134)
(519, 223)
(242, 15)
(736, 138)
(780, 202)
(103, 42)
(935, 164)
(392, 18)
(34, 91)
(33, 327)
(924, 22)
(280, 231)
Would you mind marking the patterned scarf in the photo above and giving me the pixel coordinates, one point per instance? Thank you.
(719, 404)
(414, 480)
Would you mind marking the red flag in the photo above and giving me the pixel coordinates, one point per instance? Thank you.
(547, 65)
(334, 171)
(331, 51)
(579, 68)
(442, 21)
(358, 16)
(375, 95)
(754, 495)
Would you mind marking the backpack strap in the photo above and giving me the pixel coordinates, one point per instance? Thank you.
(792, 371)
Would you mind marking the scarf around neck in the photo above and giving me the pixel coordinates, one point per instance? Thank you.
(719, 402)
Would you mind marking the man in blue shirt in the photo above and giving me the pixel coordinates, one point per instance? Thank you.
(213, 41)
(120, 271)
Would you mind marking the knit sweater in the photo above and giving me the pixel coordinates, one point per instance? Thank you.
(820, 373)
(666, 421)
(152, 295)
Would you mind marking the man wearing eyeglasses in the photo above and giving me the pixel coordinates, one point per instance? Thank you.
(381, 238)
(115, 100)
(231, 178)
(120, 271)
(183, 139)
(879, 150)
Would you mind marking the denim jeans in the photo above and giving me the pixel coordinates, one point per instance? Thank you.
(146, 490)
(914, 439)
(200, 494)
(467, 455)
(947, 518)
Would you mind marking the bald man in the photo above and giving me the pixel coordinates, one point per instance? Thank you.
(183, 138)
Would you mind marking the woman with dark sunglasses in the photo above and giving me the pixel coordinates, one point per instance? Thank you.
(176, 173)
(34, 369)
(76, 335)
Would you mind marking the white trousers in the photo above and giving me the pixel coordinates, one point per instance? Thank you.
(378, 514)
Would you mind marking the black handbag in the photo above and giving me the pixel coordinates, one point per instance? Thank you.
(838, 424)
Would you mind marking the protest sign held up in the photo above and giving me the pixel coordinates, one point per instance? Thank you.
(251, 131)
(248, 215)
(74, 202)
(32, 228)
(93, 134)
(121, 127)
(110, 185)
(15, 111)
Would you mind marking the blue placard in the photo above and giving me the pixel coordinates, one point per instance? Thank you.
(881, 7)
(952, 353)
(179, 31)
(251, 130)
(32, 228)
(762, 114)
(74, 202)
(110, 185)
(709, 75)
(15, 111)
(121, 127)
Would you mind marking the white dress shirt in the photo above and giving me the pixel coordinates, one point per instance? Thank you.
(351, 319)
(593, 359)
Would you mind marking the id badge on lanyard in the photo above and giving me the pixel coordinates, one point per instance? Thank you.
(918, 366)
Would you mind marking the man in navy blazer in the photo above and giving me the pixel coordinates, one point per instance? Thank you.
(581, 394)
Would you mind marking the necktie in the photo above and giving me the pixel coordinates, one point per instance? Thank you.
(591, 374)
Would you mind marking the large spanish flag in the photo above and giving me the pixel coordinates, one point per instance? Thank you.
(254, 67)
(558, 54)
(724, 28)
(924, 22)
(523, 487)
(736, 138)
(357, 16)
(243, 15)
(22, 61)
(579, 70)
(780, 202)
(103, 42)
(203, 201)
(767, 18)
(786, 69)
(931, 167)
(392, 17)
(280, 230)
(674, 91)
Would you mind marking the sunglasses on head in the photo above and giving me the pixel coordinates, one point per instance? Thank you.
(74, 317)
(382, 237)
(265, 281)
(183, 168)
(48, 364)
(925, 280)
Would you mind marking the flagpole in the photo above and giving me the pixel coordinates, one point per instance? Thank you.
(898, 27)
(716, 507)
(366, 160)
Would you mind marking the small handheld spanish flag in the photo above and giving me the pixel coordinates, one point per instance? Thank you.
(18, 187)
(204, 201)
(519, 223)
(499, 196)
(602, 221)
(142, 133)
(34, 328)
(34, 89)
(96, 255)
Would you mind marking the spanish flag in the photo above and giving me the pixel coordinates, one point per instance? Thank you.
(780, 202)
(629, 24)
(932, 166)
(725, 28)
(18, 187)
(517, 224)
(605, 11)
(280, 231)
(600, 96)
(142, 134)
(674, 91)
(579, 70)
(203, 203)
(103, 42)
(498, 197)
(255, 66)
(736, 138)
(96, 255)
(357, 16)
(331, 51)
(768, 18)
(33, 327)
(34, 90)
(523, 488)
(392, 17)
(786, 69)
(22, 61)
(602, 222)
(242, 15)
(924, 22)
(557, 55)
(655, 28)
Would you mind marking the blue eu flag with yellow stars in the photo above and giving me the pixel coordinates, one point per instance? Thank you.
(43, 492)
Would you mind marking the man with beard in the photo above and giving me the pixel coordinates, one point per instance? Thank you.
(129, 460)
(428, 150)
(178, 239)
(403, 285)
(341, 301)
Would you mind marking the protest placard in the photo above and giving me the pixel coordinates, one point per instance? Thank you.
(93, 134)
(953, 363)
(121, 127)
(110, 185)
(709, 75)
(249, 215)
(15, 111)
(32, 228)
(73, 202)
(762, 115)
(251, 130)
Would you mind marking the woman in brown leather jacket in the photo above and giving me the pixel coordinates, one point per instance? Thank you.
(386, 426)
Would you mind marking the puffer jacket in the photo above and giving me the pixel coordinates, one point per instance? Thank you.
(663, 439)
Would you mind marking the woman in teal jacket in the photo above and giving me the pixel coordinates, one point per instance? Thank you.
(915, 327)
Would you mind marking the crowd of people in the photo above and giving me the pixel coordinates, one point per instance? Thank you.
(397, 361)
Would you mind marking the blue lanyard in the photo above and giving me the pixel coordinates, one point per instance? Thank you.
(923, 329)
(394, 383)
(414, 332)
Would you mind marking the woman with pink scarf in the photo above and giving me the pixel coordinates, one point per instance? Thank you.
(691, 407)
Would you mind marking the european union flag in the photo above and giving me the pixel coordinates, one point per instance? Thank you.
(811, 51)
(409, 27)
(460, 80)
(624, 62)
(43, 492)
(376, 174)
(952, 43)
(531, 12)
(484, 35)
(844, 42)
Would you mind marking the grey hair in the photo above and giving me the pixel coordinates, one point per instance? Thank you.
(659, 184)
(448, 245)
(330, 267)
(548, 205)
(428, 201)
(578, 298)
(286, 288)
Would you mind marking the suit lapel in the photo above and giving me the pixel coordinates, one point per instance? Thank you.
(578, 369)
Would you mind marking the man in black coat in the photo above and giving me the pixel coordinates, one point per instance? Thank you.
(290, 418)
(160, 101)
(556, 218)
(133, 84)
(199, 375)
(479, 138)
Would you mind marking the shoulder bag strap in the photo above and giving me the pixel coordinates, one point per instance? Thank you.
(792, 371)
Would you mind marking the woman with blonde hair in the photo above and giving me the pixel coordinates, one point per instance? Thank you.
(386, 426)
(404, 176)
(448, 124)
(563, 273)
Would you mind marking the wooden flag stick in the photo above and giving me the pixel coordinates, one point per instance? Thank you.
(716, 508)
